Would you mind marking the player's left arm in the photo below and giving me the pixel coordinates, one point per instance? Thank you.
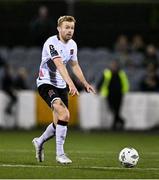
(79, 74)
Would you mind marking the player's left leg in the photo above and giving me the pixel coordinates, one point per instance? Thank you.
(61, 130)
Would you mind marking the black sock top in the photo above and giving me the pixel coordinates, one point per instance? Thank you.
(63, 123)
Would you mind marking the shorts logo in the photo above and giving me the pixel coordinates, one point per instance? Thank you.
(51, 92)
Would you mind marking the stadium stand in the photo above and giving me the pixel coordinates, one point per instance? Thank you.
(95, 58)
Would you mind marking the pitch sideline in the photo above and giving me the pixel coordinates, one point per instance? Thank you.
(79, 167)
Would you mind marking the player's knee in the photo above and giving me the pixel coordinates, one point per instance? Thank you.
(61, 111)
(66, 115)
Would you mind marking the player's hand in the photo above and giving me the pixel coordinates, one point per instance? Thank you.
(89, 88)
(73, 90)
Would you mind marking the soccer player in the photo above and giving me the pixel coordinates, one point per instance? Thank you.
(52, 80)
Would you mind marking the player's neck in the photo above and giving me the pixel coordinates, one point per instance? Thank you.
(61, 39)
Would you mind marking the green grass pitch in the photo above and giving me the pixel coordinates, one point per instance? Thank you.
(94, 155)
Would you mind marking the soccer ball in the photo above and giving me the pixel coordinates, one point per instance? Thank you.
(128, 157)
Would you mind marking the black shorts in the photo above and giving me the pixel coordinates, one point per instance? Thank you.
(49, 93)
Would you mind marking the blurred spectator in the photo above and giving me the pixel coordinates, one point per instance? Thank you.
(122, 44)
(42, 26)
(8, 87)
(122, 49)
(138, 44)
(113, 85)
(151, 56)
(20, 81)
(150, 82)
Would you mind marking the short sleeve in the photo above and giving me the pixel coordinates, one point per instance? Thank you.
(51, 49)
(74, 52)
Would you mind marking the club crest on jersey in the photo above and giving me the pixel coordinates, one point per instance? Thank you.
(71, 51)
(51, 92)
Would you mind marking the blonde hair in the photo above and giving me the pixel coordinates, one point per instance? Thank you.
(65, 18)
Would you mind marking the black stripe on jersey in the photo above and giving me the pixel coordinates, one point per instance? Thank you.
(52, 70)
(51, 65)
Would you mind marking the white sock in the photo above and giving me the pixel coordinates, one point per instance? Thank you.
(61, 132)
(48, 134)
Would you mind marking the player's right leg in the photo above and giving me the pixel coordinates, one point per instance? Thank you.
(38, 142)
(38, 150)
(50, 131)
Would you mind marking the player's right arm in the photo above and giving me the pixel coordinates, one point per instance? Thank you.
(64, 73)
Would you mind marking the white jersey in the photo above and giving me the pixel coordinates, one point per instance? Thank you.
(53, 48)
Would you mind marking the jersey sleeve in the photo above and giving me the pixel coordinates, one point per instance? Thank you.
(51, 49)
(74, 53)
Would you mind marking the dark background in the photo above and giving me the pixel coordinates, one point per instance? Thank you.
(98, 23)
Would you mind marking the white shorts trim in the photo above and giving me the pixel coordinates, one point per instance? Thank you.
(54, 99)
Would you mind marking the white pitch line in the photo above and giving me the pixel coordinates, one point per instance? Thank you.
(79, 167)
(80, 152)
(26, 166)
(17, 150)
